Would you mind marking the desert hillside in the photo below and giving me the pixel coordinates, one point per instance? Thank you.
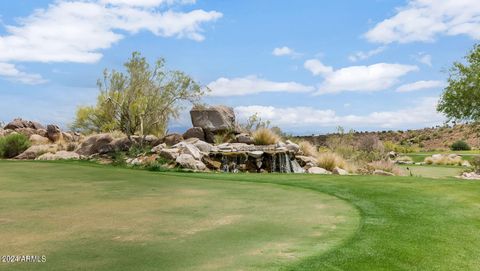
(428, 139)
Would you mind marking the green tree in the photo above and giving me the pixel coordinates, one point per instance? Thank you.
(140, 101)
(460, 100)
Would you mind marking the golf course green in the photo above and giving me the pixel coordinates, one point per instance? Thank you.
(83, 216)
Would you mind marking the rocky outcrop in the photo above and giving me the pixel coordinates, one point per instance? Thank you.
(38, 140)
(54, 133)
(60, 155)
(172, 139)
(188, 161)
(37, 150)
(157, 149)
(194, 132)
(339, 171)
(94, 144)
(20, 123)
(244, 138)
(169, 154)
(318, 170)
(213, 118)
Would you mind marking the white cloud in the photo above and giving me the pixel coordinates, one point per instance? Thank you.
(76, 31)
(420, 85)
(285, 51)
(147, 3)
(375, 77)
(364, 55)
(424, 20)
(10, 72)
(252, 85)
(425, 59)
(421, 114)
(316, 67)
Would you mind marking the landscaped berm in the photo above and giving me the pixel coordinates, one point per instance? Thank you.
(84, 216)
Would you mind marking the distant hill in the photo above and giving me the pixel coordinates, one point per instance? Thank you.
(428, 139)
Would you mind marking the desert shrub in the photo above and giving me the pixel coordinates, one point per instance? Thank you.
(475, 162)
(13, 145)
(118, 159)
(330, 160)
(307, 148)
(370, 143)
(460, 145)
(137, 149)
(265, 136)
(399, 148)
(385, 165)
(444, 159)
(342, 143)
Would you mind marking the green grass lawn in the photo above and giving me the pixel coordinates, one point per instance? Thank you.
(432, 171)
(88, 217)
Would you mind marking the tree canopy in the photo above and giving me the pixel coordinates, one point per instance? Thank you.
(460, 100)
(140, 101)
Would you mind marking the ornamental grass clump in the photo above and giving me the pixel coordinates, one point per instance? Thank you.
(265, 136)
(306, 148)
(444, 159)
(331, 160)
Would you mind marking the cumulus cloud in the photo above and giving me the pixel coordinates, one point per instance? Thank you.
(10, 72)
(252, 85)
(375, 77)
(365, 55)
(424, 20)
(147, 3)
(316, 67)
(76, 31)
(285, 51)
(421, 114)
(420, 85)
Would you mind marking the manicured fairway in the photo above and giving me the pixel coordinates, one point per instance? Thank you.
(88, 217)
(104, 218)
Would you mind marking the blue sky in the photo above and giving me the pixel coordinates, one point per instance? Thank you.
(308, 66)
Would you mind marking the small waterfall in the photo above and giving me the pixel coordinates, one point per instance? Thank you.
(274, 162)
(296, 168)
(225, 167)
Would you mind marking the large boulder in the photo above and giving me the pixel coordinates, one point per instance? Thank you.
(172, 139)
(244, 138)
(54, 133)
(293, 147)
(26, 131)
(187, 161)
(99, 143)
(318, 170)
(188, 148)
(213, 118)
(204, 146)
(339, 171)
(169, 154)
(121, 144)
(20, 123)
(158, 148)
(60, 155)
(37, 150)
(38, 140)
(194, 132)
